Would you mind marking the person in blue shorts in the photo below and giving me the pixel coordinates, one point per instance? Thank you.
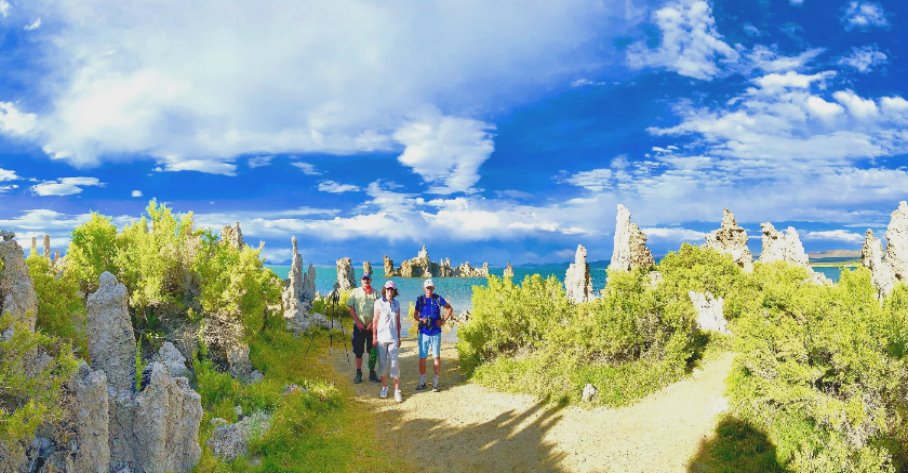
(428, 314)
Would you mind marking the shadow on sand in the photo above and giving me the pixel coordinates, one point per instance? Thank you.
(436, 436)
(737, 447)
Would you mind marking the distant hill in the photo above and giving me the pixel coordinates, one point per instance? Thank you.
(835, 254)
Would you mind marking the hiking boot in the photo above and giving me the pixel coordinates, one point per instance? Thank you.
(358, 378)
(397, 396)
(421, 386)
(384, 392)
(373, 376)
(435, 387)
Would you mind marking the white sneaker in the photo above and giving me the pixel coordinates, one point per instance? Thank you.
(384, 392)
(397, 396)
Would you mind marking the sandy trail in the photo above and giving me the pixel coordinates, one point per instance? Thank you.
(467, 427)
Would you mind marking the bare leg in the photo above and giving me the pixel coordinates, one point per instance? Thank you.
(396, 383)
(422, 366)
(384, 382)
(359, 363)
(437, 363)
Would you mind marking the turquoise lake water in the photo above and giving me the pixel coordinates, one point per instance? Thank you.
(459, 290)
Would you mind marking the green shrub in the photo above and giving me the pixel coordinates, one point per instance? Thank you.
(61, 307)
(93, 250)
(822, 371)
(30, 394)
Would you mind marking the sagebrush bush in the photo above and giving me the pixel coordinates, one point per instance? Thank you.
(61, 305)
(822, 371)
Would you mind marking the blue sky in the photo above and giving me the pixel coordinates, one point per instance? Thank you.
(489, 130)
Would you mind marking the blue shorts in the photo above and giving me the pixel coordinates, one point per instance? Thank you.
(429, 342)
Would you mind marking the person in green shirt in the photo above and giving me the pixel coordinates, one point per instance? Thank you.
(361, 305)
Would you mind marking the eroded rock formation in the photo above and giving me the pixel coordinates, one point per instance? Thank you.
(232, 235)
(154, 430)
(786, 246)
(710, 316)
(577, 282)
(47, 247)
(17, 295)
(630, 250)
(367, 267)
(230, 441)
(891, 267)
(508, 271)
(423, 267)
(389, 267)
(345, 275)
(731, 239)
(297, 298)
(111, 341)
(881, 272)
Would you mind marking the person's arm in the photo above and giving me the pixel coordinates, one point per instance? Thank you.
(449, 312)
(398, 326)
(352, 312)
(374, 326)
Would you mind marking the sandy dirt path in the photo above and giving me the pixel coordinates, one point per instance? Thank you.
(467, 427)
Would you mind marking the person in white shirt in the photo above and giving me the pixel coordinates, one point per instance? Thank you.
(386, 333)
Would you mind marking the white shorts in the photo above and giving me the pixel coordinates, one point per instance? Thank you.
(387, 359)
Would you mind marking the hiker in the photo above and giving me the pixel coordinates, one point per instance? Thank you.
(361, 305)
(386, 333)
(428, 315)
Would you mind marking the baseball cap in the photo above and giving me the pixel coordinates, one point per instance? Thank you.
(367, 276)
(390, 285)
(428, 283)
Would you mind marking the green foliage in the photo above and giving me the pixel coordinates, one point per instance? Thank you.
(822, 371)
(629, 343)
(33, 368)
(235, 281)
(173, 271)
(61, 307)
(92, 251)
(315, 426)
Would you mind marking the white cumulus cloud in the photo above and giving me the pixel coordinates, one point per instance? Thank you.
(33, 25)
(65, 186)
(14, 122)
(136, 193)
(221, 80)
(446, 151)
(864, 59)
(864, 16)
(7, 175)
(690, 44)
(336, 188)
(834, 235)
(307, 168)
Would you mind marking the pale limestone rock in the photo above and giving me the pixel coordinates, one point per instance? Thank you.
(233, 236)
(630, 249)
(166, 429)
(295, 289)
(223, 335)
(389, 268)
(589, 393)
(508, 271)
(881, 271)
(345, 275)
(111, 342)
(577, 282)
(230, 441)
(897, 241)
(17, 294)
(90, 416)
(367, 267)
(170, 357)
(786, 246)
(309, 284)
(710, 316)
(47, 247)
(731, 239)
(782, 246)
(34, 246)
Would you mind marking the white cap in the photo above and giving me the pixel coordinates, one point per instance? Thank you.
(390, 284)
(428, 283)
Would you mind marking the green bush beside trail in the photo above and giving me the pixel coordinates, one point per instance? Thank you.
(821, 376)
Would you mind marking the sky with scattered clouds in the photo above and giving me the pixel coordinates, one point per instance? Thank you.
(492, 131)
